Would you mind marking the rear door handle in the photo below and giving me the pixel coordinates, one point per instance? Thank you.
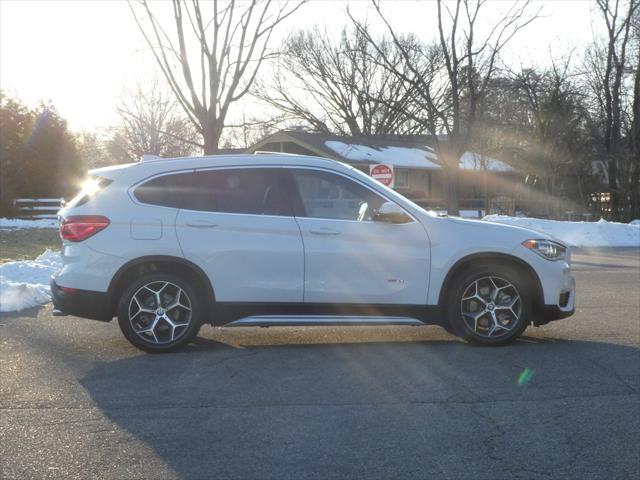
(201, 224)
(324, 231)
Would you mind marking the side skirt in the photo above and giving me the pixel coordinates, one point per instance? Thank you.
(296, 314)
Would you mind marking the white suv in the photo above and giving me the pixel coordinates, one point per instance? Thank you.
(169, 244)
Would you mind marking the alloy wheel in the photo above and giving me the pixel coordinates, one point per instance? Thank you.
(160, 312)
(491, 307)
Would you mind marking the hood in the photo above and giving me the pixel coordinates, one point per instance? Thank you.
(510, 231)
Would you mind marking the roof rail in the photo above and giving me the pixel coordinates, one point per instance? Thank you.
(147, 156)
(267, 152)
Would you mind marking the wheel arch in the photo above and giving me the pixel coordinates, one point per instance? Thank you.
(160, 263)
(488, 257)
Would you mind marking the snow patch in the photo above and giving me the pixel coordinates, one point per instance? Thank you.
(463, 213)
(474, 161)
(579, 234)
(25, 284)
(402, 157)
(406, 157)
(20, 223)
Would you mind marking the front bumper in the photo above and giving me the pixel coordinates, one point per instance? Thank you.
(558, 287)
(81, 303)
(549, 313)
(563, 307)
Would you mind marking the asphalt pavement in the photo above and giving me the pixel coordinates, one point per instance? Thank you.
(77, 401)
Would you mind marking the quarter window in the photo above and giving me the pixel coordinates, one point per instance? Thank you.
(176, 190)
(327, 195)
(257, 191)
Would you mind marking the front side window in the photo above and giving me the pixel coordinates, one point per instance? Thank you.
(328, 195)
(256, 191)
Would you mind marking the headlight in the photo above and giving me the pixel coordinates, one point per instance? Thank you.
(547, 249)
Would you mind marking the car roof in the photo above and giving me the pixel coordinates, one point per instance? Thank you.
(161, 165)
(157, 165)
(262, 158)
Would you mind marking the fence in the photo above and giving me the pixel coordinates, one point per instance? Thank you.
(38, 207)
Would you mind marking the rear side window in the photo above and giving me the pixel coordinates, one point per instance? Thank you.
(257, 191)
(90, 188)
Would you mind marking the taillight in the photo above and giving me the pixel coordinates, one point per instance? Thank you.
(80, 227)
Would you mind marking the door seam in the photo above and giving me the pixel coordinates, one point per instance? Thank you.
(304, 261)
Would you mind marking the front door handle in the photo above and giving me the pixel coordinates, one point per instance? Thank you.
(324, 231)
(201, 224)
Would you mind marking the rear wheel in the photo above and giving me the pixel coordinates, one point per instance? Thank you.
(489, 305)
(160, 312)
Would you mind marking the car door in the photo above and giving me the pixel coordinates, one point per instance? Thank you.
(240, 230)
(349, 257)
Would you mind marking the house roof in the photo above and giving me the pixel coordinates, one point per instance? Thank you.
(401, 151)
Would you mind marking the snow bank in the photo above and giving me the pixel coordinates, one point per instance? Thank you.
(19, 223)
(463, 213)
(579, 234)
(25, 283)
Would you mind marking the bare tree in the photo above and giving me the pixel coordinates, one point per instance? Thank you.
(231, 45)
(251, 130)
(554, 143)
(92, 149)
(341, 86)
(449, 91)
(151, 122)
(617, 16)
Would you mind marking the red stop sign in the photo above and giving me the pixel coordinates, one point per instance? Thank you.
(383, 173)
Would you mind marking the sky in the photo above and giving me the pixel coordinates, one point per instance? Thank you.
(82, 55)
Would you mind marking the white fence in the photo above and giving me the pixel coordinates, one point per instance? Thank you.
(38, 207)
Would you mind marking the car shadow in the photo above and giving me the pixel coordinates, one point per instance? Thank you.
(299, 403)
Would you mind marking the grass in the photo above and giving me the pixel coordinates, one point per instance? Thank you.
(27, 244)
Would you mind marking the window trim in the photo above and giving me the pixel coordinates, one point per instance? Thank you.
(287, 177)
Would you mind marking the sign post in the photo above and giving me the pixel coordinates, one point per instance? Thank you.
(383, 173)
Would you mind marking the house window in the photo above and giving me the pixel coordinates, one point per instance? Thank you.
(421, 183)
(401, 179)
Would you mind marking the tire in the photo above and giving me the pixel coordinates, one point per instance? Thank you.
(164, 328)
(507, 312)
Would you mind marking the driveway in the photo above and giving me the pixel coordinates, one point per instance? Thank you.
(77, 401)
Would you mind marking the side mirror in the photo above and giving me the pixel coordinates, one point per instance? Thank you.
(391, 213)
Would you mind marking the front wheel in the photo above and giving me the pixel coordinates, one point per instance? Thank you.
(159, 312)
(489, 305)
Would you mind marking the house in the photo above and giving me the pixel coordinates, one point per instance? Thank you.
(418, 173)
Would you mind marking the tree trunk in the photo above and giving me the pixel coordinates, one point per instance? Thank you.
(450, 164)
(453, 192)
(211, 138)
(635, 190)
(485, 181)
(613, 186)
